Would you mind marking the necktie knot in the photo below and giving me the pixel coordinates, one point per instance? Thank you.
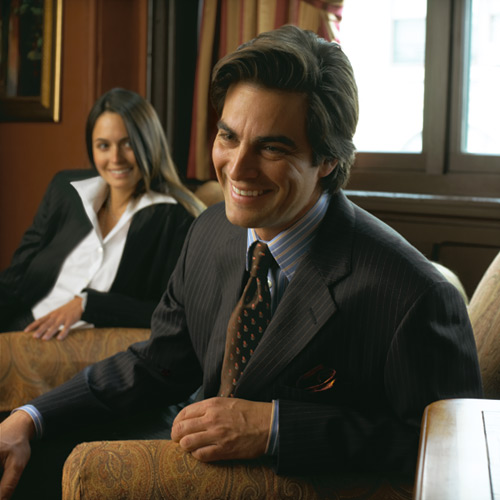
(261, 260)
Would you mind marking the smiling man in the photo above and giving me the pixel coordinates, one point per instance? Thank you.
(344, 332)
(263, 159)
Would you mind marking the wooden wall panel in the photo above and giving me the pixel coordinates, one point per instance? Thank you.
(461, 233)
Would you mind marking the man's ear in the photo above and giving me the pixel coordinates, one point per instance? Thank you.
(327, 167)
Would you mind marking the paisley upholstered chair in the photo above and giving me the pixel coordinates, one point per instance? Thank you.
(153, 469)
(160, 469)
(30, 367)
(484, 313)
(157, 469)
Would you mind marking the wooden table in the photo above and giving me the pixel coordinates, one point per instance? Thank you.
(459, 455)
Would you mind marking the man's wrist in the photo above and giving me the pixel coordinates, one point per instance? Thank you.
(35, 417)
(24, 419)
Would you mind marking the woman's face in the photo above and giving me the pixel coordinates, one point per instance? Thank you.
(113, 155)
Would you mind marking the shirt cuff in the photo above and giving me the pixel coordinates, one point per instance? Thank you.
(272, 443)
(35, 415)
(84, 296)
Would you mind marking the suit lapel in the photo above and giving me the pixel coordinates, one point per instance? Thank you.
(308, 301)
(231, 275)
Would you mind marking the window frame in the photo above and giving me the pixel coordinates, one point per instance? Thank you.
(441, 168)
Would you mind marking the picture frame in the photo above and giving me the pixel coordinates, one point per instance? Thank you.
(30, 60)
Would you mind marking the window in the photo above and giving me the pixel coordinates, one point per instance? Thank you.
(482, 111)
(428, 74)
(386, 46)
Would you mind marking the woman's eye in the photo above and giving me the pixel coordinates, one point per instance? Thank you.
(102, 146)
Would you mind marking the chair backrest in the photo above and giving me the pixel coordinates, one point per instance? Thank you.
(484, 312)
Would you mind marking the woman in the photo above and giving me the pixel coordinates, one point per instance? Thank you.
(105, 240)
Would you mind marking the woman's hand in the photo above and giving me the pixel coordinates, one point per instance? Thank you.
(59, 320)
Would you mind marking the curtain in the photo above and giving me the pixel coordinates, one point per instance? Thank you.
(224, 25)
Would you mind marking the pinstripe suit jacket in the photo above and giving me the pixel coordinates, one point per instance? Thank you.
(153, 244)
(364, 309)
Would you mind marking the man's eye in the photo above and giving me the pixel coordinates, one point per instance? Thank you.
(225, 136)
(274, 150)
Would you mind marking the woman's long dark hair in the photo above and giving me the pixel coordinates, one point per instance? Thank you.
(148, 142)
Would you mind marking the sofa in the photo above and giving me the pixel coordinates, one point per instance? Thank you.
(155, 469)
(30, 367)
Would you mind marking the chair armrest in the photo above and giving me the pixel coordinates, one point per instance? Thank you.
(159, 469)
(484, 312)
(30, 367)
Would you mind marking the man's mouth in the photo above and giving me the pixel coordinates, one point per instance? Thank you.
(245, 192)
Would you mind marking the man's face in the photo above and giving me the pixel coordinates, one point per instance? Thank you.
(263, 159)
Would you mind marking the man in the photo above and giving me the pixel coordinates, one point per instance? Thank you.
(364, 332)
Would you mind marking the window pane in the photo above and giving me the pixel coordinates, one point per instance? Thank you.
(482, 122)
(385, 41)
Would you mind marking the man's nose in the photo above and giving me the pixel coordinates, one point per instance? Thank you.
(243, 164)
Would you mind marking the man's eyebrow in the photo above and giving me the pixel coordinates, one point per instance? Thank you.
(264, 139)
(283, 139)
(222, 125)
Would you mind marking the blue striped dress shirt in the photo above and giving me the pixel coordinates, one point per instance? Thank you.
(288, 249)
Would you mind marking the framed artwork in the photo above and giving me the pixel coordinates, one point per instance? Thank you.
(30, 60)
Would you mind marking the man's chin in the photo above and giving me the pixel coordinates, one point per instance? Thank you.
(237, 218)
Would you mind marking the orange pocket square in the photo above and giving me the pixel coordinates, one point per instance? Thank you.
(320, 378)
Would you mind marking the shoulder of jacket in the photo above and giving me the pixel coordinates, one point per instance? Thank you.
(67, 176)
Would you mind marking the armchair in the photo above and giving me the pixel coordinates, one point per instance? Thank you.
(160, 469)
(484, 312)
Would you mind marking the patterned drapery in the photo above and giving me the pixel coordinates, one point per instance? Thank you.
(225, 24)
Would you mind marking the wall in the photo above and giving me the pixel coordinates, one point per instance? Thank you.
(104, 45)
(460, 232)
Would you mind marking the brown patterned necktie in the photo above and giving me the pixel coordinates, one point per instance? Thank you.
(248, 320)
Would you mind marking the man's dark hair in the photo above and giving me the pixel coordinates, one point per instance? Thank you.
(296, 60)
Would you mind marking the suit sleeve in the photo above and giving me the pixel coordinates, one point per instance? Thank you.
(432, 356)
(161, 371)
(31, 242)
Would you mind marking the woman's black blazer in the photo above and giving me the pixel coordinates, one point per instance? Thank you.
(153, 244)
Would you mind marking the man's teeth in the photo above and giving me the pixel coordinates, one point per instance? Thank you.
(243, 192)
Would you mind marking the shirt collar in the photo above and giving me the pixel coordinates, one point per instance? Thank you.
(289, 247)
(93, 193)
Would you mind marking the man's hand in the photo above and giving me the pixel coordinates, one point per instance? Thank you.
(223, 429)
(15, 434)
(61, 319)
